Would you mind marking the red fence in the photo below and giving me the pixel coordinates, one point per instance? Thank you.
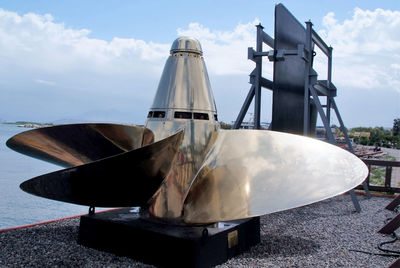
(389, 165)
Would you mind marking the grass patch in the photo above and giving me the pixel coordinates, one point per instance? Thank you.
(377, 176)
(389, 158)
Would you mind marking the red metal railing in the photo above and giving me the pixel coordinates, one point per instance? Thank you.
(388, 175)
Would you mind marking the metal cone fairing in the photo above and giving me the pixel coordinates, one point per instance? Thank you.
(184, 98)
(180, 166)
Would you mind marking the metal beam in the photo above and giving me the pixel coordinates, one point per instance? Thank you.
(322, 115)
(323, 89)
(328, 110)
(306, 112)
(346, 135)
(267, 39)
(320, 43)
(344, 129)
(330, 68)
(257, 84)
(244, 108)
(265, 83)
(355, 201)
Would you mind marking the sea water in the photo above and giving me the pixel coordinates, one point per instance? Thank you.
(16, 206)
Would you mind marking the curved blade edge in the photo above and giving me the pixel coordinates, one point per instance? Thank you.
(250, 173)
(127, 179)
(78, 144)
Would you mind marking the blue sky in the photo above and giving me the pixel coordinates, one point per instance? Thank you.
(101, 60)
(158, 20)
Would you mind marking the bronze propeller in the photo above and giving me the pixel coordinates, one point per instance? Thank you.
(181, 166)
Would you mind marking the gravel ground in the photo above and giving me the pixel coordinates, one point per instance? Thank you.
(318, 235)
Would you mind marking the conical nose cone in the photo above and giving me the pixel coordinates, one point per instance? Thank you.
(184, 83)
(186, 44)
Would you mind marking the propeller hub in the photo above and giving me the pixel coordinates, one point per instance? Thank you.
(186, 44)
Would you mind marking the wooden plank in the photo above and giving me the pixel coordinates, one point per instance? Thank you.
(395, 264)
(388, 176)
(391, 226)
(392, 205)
(381, 162)
(380, 189)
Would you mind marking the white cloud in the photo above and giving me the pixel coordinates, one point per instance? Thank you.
(45, 82)
(64, 69)
(225, 51)
(46, 66)
(365, 49)
(38, 52)
(36, 41)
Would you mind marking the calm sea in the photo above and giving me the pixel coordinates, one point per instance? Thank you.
(16, 206)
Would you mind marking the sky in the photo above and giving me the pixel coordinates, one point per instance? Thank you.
(101, 61)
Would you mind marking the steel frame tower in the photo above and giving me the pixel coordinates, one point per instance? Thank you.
(296, 90)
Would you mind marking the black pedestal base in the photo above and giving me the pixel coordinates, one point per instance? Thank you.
(126, 234)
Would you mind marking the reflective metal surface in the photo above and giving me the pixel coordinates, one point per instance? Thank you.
(184, 84)
(199, 175)
(127, 179)
(77, 144)
(184, 89)
(167, 202)
(250, 172)
(186, 44)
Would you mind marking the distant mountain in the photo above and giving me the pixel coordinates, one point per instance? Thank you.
(102, 116)
(70, 121)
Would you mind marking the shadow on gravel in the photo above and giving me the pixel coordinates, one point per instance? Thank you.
(64, 234)
(54, 246)
(284, 246)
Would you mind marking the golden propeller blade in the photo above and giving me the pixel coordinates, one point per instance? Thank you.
(78, 144)
(126, 179)
(251, 172)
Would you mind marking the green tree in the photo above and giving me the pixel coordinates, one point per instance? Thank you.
(225, 125)
(361, 129)
(396, 127)
(364, 140)
(356, 139)
(378, 136)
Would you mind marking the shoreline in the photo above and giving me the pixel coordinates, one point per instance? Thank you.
(28, 124)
